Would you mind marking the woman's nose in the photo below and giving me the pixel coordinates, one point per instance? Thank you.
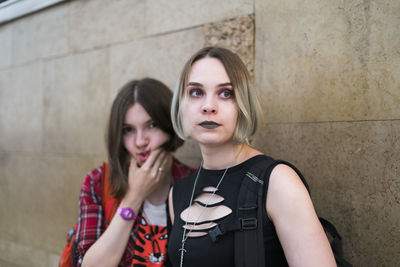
(141, 139)
(209, 107)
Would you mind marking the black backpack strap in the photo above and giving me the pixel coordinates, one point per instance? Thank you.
(249, 243)
(336, 243)
(247, 224)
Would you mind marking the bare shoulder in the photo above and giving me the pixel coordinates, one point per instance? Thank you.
(286, 191)
(291, 210)
(284, 178)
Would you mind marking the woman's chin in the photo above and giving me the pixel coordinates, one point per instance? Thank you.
(212, 141)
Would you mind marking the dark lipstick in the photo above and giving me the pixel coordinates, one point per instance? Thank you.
(209, 124)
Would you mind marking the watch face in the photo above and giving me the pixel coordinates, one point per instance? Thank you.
(127, 213)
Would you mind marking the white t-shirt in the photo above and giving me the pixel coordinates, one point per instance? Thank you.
(155, 215)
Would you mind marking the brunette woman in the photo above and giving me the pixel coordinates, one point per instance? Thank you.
(140, 142)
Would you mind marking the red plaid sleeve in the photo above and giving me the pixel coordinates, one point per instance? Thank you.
(180, 170)
(90, 222)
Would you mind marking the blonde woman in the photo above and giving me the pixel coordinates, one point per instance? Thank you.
(215, 105)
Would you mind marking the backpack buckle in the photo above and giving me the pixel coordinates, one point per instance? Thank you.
(70, 234)
(248, 223)
(215, 233)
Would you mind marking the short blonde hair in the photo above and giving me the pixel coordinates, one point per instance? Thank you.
(245, 95)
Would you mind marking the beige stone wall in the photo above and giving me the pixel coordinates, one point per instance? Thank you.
(59, 72)
(330, 77)
(327, 70)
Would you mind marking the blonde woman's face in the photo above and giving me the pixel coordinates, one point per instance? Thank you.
(210, 112)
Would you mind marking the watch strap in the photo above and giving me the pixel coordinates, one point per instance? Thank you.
(127, 214)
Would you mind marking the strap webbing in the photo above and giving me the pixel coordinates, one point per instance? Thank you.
(249, 244)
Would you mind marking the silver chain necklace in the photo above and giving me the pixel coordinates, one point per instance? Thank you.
(184, 236)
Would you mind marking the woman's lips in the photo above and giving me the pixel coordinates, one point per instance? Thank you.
(143, 156)
(209, 124)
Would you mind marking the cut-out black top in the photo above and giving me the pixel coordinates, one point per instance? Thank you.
(201, 251)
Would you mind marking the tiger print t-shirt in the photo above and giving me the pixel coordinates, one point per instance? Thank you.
(151, 237)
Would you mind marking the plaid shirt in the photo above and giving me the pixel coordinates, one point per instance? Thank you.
(91, 222)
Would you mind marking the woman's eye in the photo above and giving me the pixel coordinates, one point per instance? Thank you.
(228, 93)
(195, 92)
(153, 125)
(127, 130)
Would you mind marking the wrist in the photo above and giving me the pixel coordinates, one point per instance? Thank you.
(127, 214)
(135, 203)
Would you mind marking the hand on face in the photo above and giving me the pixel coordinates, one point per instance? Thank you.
(142, 134)
(154, 172)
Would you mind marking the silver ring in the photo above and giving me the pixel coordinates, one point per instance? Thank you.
(160, 169)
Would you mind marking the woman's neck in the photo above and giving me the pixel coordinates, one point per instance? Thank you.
(227, 155)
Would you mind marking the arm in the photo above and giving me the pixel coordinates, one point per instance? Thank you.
(110, 247)
(291, 210)
(171, 205)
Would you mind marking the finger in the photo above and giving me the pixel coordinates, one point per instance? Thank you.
(152, 158)
(132, 165)
(166, 164)
(158, 167)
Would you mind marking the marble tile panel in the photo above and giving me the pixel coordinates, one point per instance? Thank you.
(237, 34)
(161, 57)
(21, 108)
(6, 221)
(101, 22)
(46, 188)
(8, 264)
(14, 254)
(76, 92)
(40, 35)
(5, 45)
(328, 60)
(172, 15)
(353, 171)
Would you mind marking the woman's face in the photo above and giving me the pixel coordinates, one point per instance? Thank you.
(141, 135)
(210, 112)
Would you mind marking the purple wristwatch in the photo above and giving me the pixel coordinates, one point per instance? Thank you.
(127, 214)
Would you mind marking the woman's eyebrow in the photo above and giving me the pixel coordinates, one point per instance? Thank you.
(146, 122)
(225, 84)
(194, 84)
(199, 84)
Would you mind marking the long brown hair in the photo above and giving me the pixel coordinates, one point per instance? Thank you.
(155, 97)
